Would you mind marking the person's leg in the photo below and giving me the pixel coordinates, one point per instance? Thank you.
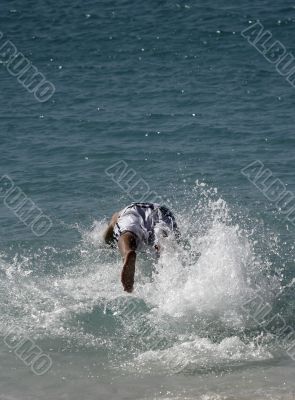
(168, 218)
(127, 247)
(108, 235)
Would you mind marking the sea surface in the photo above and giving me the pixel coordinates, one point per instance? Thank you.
(181, 103)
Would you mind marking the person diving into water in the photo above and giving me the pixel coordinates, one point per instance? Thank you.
(133, 227)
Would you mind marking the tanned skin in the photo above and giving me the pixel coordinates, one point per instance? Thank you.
(127, 246)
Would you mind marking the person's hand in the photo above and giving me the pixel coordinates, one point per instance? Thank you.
(128, 288)
(157, 248)
(127, 281)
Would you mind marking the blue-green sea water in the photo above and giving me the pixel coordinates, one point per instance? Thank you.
(174, 92)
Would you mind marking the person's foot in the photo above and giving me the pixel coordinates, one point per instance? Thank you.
(128, 271)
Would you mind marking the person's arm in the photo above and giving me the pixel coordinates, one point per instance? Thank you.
(109, 232)
(127, 246)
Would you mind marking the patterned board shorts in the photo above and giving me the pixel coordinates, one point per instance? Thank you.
(144, 220)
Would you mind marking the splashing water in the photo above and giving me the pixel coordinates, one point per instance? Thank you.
(186, 311)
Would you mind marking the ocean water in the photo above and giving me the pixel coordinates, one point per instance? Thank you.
(182, 102)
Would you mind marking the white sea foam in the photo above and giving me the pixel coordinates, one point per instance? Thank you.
(201, 353)
(193, 299)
